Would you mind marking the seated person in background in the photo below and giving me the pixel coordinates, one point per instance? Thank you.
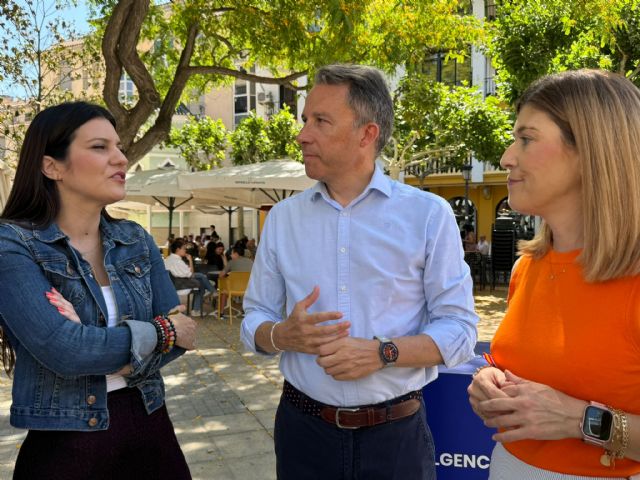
(469, 241)
(179, 269)
(192, 247)
(250, 251)
(484, 247)
(238, 263)
(215, 256)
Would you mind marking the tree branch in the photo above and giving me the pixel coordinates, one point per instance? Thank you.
(149, 98)
(113, 66)
(160, 129)
(211, 69)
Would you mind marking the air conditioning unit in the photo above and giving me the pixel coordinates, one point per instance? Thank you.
(264, 97)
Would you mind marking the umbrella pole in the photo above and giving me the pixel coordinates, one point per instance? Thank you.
(171, 207)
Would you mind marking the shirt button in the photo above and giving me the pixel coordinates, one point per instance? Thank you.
(342, 250)
(92, 422)
(343, 288)
(137, 269)
(91, 399)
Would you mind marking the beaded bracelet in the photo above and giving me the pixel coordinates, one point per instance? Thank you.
(166, 333)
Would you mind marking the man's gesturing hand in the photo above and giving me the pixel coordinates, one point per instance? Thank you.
(301, 332)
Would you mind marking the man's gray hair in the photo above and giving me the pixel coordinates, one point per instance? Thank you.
(368, 95)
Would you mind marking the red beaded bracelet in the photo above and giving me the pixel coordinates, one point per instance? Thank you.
(166, 332)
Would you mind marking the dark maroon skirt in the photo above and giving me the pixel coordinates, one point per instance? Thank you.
(135, 446)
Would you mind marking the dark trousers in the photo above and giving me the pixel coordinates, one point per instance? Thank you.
(309, 448)
(136, 446)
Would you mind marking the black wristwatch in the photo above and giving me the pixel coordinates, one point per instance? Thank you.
(388, 351)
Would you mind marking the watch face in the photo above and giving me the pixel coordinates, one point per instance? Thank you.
(597, 423)
(390, 352)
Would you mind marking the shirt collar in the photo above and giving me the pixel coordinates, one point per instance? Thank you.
(379, 181)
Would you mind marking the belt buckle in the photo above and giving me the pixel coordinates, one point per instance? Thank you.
(343, 409)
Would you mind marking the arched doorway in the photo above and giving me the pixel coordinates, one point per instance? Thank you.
(523, 225)
(464, 218)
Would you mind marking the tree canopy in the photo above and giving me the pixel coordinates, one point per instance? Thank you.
(435, 116)
(179, 49)
(202, 142)
(532, 38)
(39, 54)
(258, 140)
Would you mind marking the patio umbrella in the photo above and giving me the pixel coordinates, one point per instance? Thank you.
(158, 186)
(250, 185)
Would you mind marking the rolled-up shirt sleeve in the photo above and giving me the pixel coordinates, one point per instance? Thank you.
(451, 320)
(264, 299)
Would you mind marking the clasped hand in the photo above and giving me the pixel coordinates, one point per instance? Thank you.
(523, 409)
(341, 356)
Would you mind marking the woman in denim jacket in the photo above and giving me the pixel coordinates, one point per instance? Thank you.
(90, 390)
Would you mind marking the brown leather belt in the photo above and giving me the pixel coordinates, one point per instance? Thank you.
(355, 417)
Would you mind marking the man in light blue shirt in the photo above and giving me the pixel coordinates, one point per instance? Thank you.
(375, 292)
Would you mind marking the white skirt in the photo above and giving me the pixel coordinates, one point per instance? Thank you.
(505, 466)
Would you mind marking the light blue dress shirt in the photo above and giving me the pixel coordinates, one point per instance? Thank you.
(391, 262)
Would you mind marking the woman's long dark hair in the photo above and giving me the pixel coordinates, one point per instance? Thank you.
(34, 199)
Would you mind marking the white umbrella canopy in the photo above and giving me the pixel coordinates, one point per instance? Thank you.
(146, 186)
(250, 185)
(5, 184)
(160, 186)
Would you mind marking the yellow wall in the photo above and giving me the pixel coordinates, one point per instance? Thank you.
(485, 196)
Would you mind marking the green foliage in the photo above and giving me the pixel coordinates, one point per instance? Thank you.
(201, 141)
(249, 141)
(257, 140)
(442, 116)
(36, 66)
(282, 130)
(255, 39)
(532, 38)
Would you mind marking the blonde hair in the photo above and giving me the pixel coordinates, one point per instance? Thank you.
(598, 114)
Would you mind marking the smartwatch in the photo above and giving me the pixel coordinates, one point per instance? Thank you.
(388, 351)
(597, 424)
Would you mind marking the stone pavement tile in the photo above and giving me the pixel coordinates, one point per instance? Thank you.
(9, 451)
(260, 398)
(211, 470)
(231, 424)
(6, 470)
(244, 444)
(266, 418)
(262, 467)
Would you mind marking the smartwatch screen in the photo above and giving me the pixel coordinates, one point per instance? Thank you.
(597, 423)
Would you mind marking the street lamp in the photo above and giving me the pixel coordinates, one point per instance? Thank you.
(466, 174)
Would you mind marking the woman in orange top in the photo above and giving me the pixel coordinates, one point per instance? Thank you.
(565, 389)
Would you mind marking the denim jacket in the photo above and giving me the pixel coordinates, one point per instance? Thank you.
(59, 379)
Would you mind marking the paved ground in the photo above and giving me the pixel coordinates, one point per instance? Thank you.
(222, 401)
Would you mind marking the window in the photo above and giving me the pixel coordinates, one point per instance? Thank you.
(452, 72)
(127, 89)
(490, 10)
(244, 100)
(65, 77)
(289, 97)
